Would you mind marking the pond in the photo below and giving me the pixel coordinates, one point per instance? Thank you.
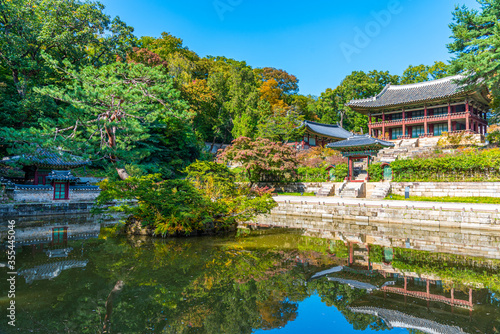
(89, 280)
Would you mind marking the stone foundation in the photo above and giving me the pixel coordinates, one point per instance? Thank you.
(299, 187)
(471, 233)
(448, 189)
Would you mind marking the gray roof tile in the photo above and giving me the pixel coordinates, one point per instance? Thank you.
(328, 130)
(413, 93)
(360, 141)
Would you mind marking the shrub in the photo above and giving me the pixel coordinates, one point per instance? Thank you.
(341, 171)
(209, 199)
(494, 138)
(312, 174)
(468, 165)
(376, 172)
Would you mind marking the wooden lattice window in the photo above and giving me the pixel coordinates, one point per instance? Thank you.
(60, 190)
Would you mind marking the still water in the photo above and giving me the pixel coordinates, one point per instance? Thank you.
(85, 279)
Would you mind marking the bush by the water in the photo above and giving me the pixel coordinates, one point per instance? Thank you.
(463, 166)
(208, 200)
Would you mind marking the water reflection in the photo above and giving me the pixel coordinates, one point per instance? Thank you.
(252, 281)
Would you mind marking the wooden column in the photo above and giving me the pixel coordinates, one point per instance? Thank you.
(467, 116)
(383, 124)
(370, 125)
(425, 119)
(449, 116)
(404, 122)
(470, 297)
(406, 283)
(452, 296)
(428, 289)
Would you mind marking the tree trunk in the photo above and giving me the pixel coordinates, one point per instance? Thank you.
(109, 305)
(21, 89)
(122, 173)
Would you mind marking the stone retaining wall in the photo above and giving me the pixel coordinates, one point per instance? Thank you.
(448, 189)
(299, 187)
(448, 231)
(12, 211)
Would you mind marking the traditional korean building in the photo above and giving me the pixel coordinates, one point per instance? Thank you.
(48, 177)
(359, 147)
(319, 134)
(425, 109)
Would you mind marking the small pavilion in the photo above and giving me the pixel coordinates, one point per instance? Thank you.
(359, 147)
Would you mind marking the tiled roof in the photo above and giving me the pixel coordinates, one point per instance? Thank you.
(47, 159)
(413, 93)
(360, 141)
(61, 175)
(328, 130)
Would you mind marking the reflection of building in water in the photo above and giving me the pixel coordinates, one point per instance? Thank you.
(359, 262)
(54, 234)
(50, 270)
(396, 319)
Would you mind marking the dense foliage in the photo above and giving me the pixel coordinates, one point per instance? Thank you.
(476, 47)
(208, 200)
(376, 172)
(262, 159)
(340, 172)
(468, 165)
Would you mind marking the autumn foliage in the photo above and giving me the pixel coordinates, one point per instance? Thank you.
(262, 159)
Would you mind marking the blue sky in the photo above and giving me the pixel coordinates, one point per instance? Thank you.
(318, 41)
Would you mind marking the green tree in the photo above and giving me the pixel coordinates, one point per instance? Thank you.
(110, 111)
(421, 73)
(78, 32)
(476, 48)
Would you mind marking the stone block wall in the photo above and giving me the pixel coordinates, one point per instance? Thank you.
(471, 233)
(44, 195)
(299, 187)
(448, 189)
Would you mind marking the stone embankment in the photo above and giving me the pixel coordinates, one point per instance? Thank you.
(468, 229)
(456, 215)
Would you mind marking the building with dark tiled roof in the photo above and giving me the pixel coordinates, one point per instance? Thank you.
(425, 109)
(47, 177)
(319, 134)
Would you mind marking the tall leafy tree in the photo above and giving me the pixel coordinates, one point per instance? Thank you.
(111, 109)
(476, 46)
(421, 73)
(71, 30)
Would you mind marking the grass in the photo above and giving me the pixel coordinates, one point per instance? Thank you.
(484, 200)
(295, 194)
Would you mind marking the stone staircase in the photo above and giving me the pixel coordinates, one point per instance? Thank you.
(328, 190)
(407, 149)
(381, 191)
(353, 190)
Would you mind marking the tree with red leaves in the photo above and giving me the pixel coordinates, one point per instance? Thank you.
(262, 159)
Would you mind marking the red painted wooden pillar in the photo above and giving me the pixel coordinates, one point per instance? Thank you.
(425, 119)
(449, 117)
(428, 289)
(467, 116)
(404, 122)
(452, 296)
(370, 125)
(470, 297)
(351, 165)
(406, 284)
(383, 124)
(351, 253)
